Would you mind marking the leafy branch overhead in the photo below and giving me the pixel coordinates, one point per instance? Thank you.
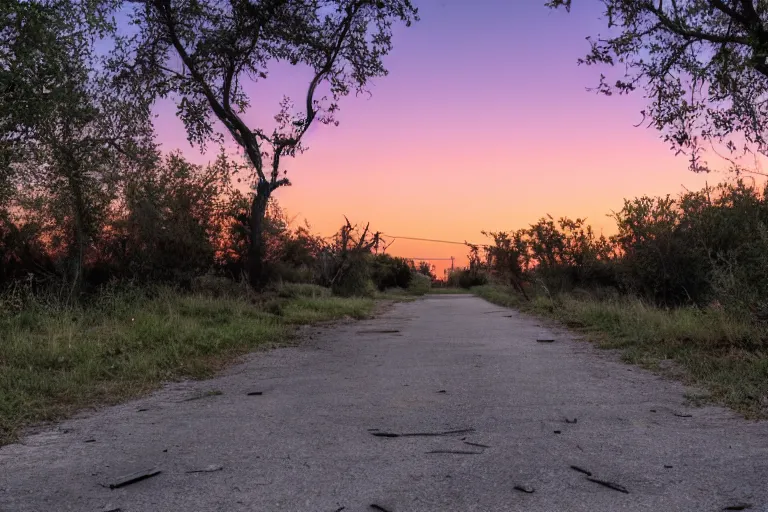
(222, 46)
(703, 65)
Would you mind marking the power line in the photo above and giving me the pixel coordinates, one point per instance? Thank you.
(429, 240)
(427, 259)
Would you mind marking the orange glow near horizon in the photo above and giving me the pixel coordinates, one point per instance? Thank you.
(490, 130)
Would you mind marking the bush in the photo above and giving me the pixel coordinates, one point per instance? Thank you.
(285, 272)
(660, 258)
(466, 278)
(355, 279)
(390, 272)
(705, 248)
(21, 252)
(420, 284)
(171, 224)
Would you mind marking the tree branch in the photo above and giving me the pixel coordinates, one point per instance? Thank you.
(227, 86)
(730, 11)
(750, 12)
(232, 121)
(171, 72)
(311, 113)
(280, 183)
(676, 27)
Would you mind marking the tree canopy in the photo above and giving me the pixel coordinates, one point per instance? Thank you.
(703, 65)
(203, 53)
(221, 46)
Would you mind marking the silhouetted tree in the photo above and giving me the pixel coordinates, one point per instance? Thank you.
(508, 257)
(67, 131)
(350, 253)
(702, 63)
(220, 46)
(427, 269)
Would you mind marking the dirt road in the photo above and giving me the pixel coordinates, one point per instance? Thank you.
(307, 443)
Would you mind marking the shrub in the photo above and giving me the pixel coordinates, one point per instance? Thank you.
(355, 279)
(465, 278)
(706, 247)
(420, 284)
(346, 263)
(390, 272)
(217, 286)
(660, 259)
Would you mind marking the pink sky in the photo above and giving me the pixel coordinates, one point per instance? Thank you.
(483, 124)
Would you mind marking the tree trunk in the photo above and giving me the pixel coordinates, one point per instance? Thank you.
(77, 251)
(257, 276)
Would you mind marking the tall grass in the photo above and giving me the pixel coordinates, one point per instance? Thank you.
(56, 359)
(725, 355)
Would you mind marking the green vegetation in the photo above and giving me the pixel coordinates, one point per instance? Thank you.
(86, 195)
(57, 359)
(420, 284)
(467, 278)
(390, 271)
(683, 279)
(97, 226)
(707, 247)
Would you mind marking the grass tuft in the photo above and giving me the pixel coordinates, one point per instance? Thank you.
(56, 360)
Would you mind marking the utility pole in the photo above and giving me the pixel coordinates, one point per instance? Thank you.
(451, 263)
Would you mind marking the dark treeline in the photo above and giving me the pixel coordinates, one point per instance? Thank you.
(706, 248)
(86, 195)
(173, 223)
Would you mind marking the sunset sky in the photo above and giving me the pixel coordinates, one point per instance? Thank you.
(483, 124)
